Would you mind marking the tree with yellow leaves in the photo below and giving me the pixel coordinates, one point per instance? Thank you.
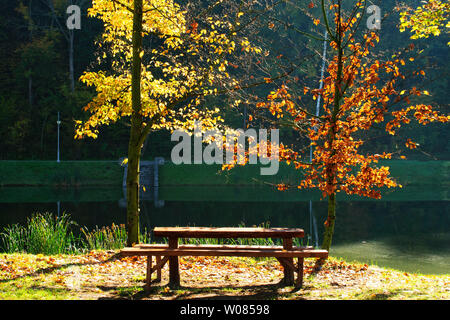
(159, 85)
(431, 18)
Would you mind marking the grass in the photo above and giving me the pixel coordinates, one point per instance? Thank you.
(105, 237)
(64, 173)
(242, 241)
(26, 277)
(108, 173)
(30, 289)
(109, 238)
(377, 283)
(406, 171)
(43, 233)
(52, 194)
(47, 234)
(88, 273)
(98, 274)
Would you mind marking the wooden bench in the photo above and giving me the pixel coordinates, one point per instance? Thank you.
(170, 252)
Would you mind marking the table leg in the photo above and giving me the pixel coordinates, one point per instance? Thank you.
(288, 279)
(174, 273)
(299, 282)
(158, 272)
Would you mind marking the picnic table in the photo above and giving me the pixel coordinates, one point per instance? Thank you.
(170, 252)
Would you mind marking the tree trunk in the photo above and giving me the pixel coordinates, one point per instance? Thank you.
(135, 144)
(30, 79)
(30, 91)
(329, 223)
(71, 68)
(42, 134)
(331, 167)
(134, 154)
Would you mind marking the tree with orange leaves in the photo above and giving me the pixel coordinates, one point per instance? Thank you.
(358, 94)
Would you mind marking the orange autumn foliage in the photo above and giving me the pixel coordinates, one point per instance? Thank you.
(357, 93)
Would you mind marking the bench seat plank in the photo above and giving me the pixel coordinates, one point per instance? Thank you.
(306, 253)
(216, 247)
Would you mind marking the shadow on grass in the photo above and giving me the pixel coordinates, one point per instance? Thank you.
(29, 291)
(60, 267)
(249, 292)
(374, 295)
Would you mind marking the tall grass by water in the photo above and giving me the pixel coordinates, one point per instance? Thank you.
(46, 234)
(113, 237)
(42, 233)
(109, 238)
(243, 241)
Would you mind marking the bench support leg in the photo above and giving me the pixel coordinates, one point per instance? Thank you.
(299, 282)
(174, 273)
(148, 278)
(288, 269)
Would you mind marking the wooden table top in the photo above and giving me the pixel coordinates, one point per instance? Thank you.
(208, 232)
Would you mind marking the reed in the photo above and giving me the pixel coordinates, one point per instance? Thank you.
(108, 238)
(242, 241)
(42, 233)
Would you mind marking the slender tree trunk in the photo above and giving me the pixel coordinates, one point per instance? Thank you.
(42, 134)
(331, 168)
(329, 223)
(30, 91)
(135, 144)
(30, 79)
(71, 68)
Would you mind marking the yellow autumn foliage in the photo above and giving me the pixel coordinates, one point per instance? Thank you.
(175, 75)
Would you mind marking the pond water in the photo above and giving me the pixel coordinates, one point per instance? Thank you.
(408, 230)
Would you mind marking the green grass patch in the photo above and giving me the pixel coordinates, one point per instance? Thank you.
(29, 288)
(109, 173)
(47, 194)
(412, 172)
(65, 173)
(409, 172)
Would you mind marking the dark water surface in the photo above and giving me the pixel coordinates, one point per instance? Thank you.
(408, 230)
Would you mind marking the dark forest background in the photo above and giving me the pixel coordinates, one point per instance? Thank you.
(36, 83)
